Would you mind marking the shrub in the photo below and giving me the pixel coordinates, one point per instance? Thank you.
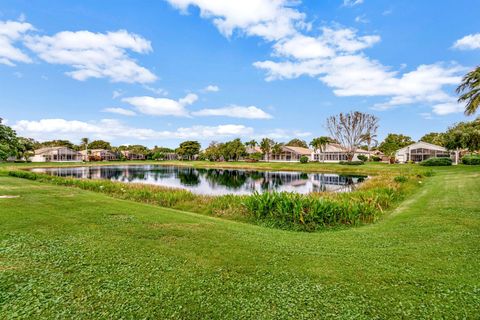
(362, 157)
(304, 159)
(471, 159)
(376, 158)
(256, 156)
(436, 162)
(400, 179)
(352, 163)
(306, 212)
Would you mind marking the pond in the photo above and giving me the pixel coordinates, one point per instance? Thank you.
(214, 181)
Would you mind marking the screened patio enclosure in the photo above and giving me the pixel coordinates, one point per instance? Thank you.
(421, 154)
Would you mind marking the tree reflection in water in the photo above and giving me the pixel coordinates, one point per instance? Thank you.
(214, 181)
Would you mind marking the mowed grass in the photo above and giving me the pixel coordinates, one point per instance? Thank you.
(70, 253)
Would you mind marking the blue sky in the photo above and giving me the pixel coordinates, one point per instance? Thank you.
(160, 72)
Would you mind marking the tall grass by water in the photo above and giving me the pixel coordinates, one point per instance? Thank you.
(277, 209)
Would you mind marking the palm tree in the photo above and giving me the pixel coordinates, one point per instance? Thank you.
(266, 146)
(251, 144)
(469, 89)
(320, 144)
(277, 148)
(85, 142)
(368, 138)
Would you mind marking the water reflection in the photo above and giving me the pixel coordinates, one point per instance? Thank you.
(214, 181)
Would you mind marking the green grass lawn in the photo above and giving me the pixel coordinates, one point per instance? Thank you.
(70, 253)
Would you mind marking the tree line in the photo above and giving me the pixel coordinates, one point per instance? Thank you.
(350, 130)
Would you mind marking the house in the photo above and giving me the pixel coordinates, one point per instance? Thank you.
(56, 154)
(170, 156)
(334, 152)
(98, 155)
(129, 155)
(421, 150)
(290, 153)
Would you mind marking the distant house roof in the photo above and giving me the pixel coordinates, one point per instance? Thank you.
(298, 150)
(53, 149)
(255, 149)
(96, 151)
(422, 144)
(335, 147)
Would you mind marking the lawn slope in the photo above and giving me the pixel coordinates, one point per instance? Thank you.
(70, 253)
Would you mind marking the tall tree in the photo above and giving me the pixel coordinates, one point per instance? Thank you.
(266, 146)
(55, 143)
(349, 128)
(25, 148)
(84, 144)
(434, 138)
(8, 142)
(234, 149)
(277, 148)
(320, 144)
(99, 144)
(464, 135)
(469, 91)
(297, 143)
(212, 152)
(188, 149)
(393, 142)
(251, 144)
(369, 138)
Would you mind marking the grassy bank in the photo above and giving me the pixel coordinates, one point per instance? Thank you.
(282, 210)
(72, 253)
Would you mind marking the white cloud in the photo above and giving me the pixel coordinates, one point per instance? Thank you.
(361, 19)
(234, 111)
(211, 88)
(469, 42)
(95, 55)
(11, 32)
(157, 91)
(188, 99)
(109, 129)
(270, 19)
(303, 47)
(349, 72)
(387, 12)
(282, 134)
(426, 115)
(448, 108)
(347, 40)
(352, 3)
(121, 111)
(162, 106)
(116, 94)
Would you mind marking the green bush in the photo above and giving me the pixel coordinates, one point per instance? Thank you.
(304, 159)
(436, 162)
(362, 157)
(471, 159)
(352, 163)
(306, 212)
(400, 179)
(256, 156)
(376, 158)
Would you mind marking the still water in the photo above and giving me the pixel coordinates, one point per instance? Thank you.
(214, 181)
